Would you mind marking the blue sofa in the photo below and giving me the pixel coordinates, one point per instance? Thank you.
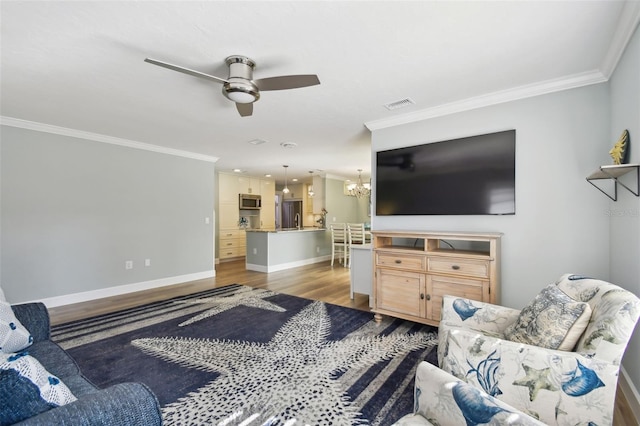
(121, 404)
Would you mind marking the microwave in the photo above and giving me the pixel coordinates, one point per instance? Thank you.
(250, 202)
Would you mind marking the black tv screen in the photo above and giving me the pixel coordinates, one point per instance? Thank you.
(468, 176)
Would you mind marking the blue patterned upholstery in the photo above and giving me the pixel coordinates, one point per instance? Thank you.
(553, 386)
(556, 387)
(125, 403)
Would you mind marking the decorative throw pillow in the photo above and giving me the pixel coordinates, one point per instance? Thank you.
(13, 336)
(552, 320)
(27, 389)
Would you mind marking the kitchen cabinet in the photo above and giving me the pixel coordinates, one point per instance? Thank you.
(228, 188)
(319, 197)
(414, 270)
(249, 185)
(231, 239)
(268, 210)
(233, 243)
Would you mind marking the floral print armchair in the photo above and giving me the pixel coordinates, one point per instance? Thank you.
(556, 387)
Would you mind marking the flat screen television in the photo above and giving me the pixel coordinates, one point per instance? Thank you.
(467, 176)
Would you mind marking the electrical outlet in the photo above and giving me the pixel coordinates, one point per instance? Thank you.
(147, 262)
(318, 249)
(206, 220)
(128, 264)
(255, 250)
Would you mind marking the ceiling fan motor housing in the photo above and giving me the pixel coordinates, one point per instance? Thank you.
(240, 87)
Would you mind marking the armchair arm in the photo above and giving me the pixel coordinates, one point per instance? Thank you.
(122, 404)
(35, 318)
(556, 387)
(481, 316)
(444, 400)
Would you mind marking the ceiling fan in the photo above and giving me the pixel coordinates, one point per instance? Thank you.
(240, 87)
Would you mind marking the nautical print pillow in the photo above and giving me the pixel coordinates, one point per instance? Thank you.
(552, 320)
(13, 336)
(27, 389)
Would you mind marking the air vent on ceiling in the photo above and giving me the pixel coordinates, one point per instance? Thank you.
(257, 141)
(399, 104)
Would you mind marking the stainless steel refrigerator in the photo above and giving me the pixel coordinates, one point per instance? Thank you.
(289, 210)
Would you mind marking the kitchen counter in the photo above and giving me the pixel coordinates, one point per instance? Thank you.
(307, 229)
(270, 250)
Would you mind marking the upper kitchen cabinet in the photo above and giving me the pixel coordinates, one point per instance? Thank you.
(268, 210)
(249, 185)
(228, 188)
(319, 194)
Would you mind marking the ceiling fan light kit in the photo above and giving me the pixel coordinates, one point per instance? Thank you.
(240, 87)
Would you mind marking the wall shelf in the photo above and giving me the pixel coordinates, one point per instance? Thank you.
(614, 172)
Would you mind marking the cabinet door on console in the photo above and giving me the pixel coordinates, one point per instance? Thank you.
(400, 291)
(439, 286)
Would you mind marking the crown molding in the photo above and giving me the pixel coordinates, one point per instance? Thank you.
(489, 99)
(64, 131)
(627, 24)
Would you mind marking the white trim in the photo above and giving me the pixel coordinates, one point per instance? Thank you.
(85, 296)
(282, 266)
(48, 128)
(630, 393)
(627, 24)
(510, 95)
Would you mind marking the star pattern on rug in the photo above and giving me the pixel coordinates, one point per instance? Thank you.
(293, 376)
(245, 296)
(535, 380)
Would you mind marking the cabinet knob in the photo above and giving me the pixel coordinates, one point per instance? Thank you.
(398, 261)
(421, 296)
(455, 267)
(428, 297)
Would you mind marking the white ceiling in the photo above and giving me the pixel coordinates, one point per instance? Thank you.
(79, 65)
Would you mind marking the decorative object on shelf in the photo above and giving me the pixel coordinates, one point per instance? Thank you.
(243, 223)
(285, 190)
(359, 189)
(310, 190)
(620, 151)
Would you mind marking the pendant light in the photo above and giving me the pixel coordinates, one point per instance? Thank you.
(310, 192)
(360, 190)
(285, 190)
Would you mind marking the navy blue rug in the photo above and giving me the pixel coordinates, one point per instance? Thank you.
(236, 354)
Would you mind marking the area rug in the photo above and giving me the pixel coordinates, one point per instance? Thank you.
(238, 355)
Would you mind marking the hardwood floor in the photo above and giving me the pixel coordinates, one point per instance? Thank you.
(318, 282)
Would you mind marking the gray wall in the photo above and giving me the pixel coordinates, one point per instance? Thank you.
(560, 223)
(625, 213)
(74, 210)
(344, 208)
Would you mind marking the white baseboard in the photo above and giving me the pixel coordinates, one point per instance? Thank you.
(86, 296)
(630, 393)
(289, 265)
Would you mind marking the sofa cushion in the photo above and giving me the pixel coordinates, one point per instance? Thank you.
(552, 320)
(27, 389)
(14, 337)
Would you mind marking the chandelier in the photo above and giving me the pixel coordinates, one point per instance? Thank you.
(359, 189)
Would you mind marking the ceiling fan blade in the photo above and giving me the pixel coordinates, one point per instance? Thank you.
(287, 82)
(245, 110)
(185, 70)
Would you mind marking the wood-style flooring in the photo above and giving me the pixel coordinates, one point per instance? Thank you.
(318, 282)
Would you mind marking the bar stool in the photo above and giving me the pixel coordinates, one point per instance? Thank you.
(356, 235)
(339, 243)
